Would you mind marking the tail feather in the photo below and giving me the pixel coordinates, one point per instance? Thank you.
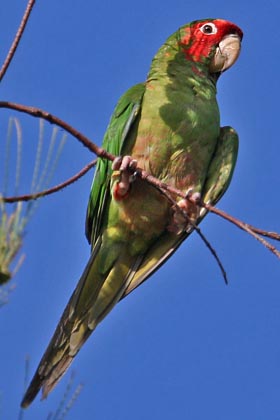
(95, 295)
(47, 384)
(56, 375)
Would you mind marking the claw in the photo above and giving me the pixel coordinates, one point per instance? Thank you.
(122, 168)
(117, 163)
(188, 211)
(195, 197)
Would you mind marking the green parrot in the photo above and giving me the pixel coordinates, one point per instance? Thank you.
(170, 127)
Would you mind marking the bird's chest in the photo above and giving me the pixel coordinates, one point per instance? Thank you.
(177, 135)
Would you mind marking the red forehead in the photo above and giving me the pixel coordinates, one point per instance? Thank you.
(198, 44)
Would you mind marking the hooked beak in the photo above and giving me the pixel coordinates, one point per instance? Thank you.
(226, 54)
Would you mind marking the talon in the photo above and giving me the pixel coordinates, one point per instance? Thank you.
(122, 176)
(189, 211)
(117, 163)
(189, 192)
(125, 163)
(193, 197)
(133, 177)
(178, 220)
(196, 197)
(133, 165)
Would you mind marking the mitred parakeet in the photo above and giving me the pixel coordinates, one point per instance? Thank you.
(170, 127)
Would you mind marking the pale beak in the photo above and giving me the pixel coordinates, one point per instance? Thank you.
(226, 54)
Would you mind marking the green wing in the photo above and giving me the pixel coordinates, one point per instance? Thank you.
(124, 117)
(222, 166)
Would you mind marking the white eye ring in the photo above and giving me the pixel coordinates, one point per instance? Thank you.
(209, 28)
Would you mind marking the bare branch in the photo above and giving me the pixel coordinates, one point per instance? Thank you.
(39, 113)
(161, 186)
(271, 235)
(17, 38)
(28, 197)
(247, 228)
(213, 252)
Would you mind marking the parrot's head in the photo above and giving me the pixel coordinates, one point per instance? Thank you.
(213, 42)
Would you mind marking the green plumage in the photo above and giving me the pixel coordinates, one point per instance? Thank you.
(171, 125)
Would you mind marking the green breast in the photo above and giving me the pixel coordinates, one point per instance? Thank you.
(179, 126)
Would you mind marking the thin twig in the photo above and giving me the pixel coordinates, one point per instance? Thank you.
(271, 235)
(213, 252)
(65, 396)
(17, 38)
(28, 197)
(243, 226)
(39, 113)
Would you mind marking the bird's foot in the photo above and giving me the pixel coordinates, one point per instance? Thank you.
(123, 176)
(184, 212)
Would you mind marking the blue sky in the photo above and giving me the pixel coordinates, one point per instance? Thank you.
(183, 345)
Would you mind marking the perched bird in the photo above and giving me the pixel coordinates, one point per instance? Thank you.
(170, 127)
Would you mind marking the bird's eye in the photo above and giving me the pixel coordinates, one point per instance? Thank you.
(209, 28)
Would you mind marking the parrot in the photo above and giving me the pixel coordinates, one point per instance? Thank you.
(169, 126)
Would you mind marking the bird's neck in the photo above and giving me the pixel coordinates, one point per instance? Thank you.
(170, 66)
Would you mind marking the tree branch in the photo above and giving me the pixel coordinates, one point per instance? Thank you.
(17, 38)
(39, 113)
(162, 187)
(255, 232)
(28, 197)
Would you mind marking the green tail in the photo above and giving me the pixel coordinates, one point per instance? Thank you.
(98, 290)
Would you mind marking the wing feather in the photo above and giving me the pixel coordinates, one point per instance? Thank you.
(125, 115)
